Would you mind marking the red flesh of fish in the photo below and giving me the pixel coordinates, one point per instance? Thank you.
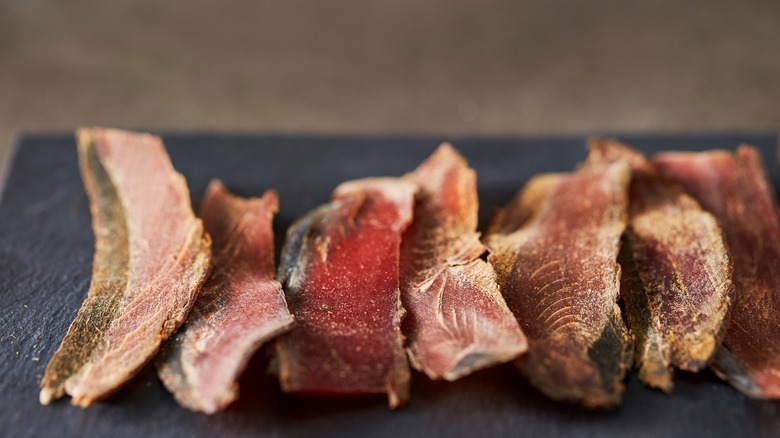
(340, 272)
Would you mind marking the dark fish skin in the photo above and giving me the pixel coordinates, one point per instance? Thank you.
(339, 270)
(554, 249)
(240, 308)
(151, 258)
(457, 322)
(676, 283)
(736, 190)
(109, 275)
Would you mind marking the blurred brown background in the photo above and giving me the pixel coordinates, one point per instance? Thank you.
(454, 66)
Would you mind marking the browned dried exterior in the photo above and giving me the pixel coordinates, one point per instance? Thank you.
(339, 269)
(676, 273)
(151, 257)
(554, 249)
(736, 190)
(457, 322)
(241, 306)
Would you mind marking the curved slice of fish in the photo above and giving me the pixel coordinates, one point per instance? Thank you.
(340, 273)
(677, 285)
(554, 249)
(151, 258)
(736, 190)
(457, 321)
(241, 307)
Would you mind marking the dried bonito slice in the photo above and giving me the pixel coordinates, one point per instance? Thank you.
(555, 249)
(736, 190)
(339, 269)
(240, 308)
(677, 285)
(457, 322)
(151, 258)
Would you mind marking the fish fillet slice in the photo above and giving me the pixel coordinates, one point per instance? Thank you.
(677, 284)
(457, 320)
(735, 189)
(339, 269)
(151, 258)
(554, 249)
(241, 306)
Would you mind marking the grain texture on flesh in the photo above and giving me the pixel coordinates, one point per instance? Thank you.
(676, 285)
(554, 249)
(240, 307)
(151, 258)
(457, 321)
(736, 190)
(340, 268)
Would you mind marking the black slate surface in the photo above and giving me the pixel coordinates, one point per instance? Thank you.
(46, 246)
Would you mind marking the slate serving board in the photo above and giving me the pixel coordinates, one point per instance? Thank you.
(46, 246)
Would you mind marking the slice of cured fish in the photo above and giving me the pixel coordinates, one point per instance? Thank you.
(240, 307)
(736, 190)
(457, 321)
(340, 270)
(151, 258)
(554, 249)
(677, 284)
